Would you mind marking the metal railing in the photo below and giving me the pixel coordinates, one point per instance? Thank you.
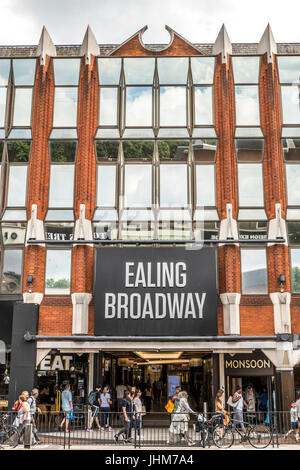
(154, 429)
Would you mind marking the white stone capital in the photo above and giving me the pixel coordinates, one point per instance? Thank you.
(228, 226)
(281, 307)
(33, 298)
(231, 312)
(80, 319)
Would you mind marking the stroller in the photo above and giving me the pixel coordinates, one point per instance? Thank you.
(206, 427)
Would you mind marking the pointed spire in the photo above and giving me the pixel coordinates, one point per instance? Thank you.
(267, 44)
(45, 46)
(222, 44)
(89, 46)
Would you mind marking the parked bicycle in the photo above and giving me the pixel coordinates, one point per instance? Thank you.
(9, 435)
(206, 427)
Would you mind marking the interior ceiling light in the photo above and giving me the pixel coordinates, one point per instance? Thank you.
(148, 356)
(164, 361)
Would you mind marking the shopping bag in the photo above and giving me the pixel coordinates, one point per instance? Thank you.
(169, 406)
(231, 403)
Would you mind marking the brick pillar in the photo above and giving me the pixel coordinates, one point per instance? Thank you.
(39, 171)
(85, 192)
(226, 177)
(274, 188)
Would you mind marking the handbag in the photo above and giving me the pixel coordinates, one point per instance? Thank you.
(169, 406)
(143, 411)
(231, 403)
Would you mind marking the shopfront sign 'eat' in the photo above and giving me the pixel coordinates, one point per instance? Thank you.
(56, 363)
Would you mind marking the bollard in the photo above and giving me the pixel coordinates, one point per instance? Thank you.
(27, 436)
(205, 409)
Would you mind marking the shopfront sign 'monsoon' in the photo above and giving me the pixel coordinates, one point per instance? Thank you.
(240, 365)
(155, 291)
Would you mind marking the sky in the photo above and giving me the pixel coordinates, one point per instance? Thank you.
(114, 21)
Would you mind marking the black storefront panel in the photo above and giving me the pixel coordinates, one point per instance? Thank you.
(248, 365)
(155, 292)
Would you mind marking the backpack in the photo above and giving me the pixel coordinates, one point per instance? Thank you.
(92, 397)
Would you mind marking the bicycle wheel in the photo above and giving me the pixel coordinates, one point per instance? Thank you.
(223, 437)
(10, 436)
(259, 436)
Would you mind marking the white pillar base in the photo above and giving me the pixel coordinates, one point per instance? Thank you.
(32, 298)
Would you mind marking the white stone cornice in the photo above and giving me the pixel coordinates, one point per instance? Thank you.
(45, 46)
(89, 46)
(222, 45)
(267, 44)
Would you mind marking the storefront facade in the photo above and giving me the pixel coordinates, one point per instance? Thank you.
(149, 214)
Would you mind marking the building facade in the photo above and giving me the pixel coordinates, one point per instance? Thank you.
(160, 146)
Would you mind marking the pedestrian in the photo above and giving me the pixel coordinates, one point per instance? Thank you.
(137, 404)
(294, 422)
(250, 400)
(126, 417)
(298, 408)
(105, 398)
(148, 398)
(34, 409)
(67, 406)
(263, 405)
(238, 410)
(94, 405)
(120, 389)
(219, 407)
(180, 422)
(24, 416)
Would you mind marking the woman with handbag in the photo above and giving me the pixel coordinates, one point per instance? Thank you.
(180, 421)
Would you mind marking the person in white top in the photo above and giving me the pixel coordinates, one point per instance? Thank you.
(238, 410)
(120, 389)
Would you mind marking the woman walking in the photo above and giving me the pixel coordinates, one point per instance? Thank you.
(105, 398)
(219, 406)
(137, 408)
(24, 416)
(126, 417)
(180, 421)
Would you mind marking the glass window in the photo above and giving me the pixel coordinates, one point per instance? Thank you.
(173, 149)
(16, 195)
(173, 185)
(205, 150)
(138, 149)
(59, 230)
(62, 151)
(138, 106)
(22, 110)
(250, 185)
(172, 106)
(24, 71)
(65, 107)
(205, 185)
(66, 71)
(108, 108)
(13, 233)
(139, 71)
(3, 91)
(137, 225)
(63, 133)
(60, 215)
(12, 272)
(295, 265)
(203, 106)
(12, 214)
(58, 272)
(247, 105)
(138, 187)
(18, 150)
(245, 69)
(290, 104)
(172, 70)
(109, 71)
(254, 271)
(253, 230)
(249, 150)
(293, 184)
(106, 185)
(293, 229)
(291, 149)
(174, 225)
(289, 69)
(107, 149)
(206, 230)
(61, 191)
(203, 69)
(4, 71)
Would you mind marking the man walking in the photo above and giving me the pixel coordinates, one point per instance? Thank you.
(238, 411)
(95, 403)
(33, 410)
(67, 406)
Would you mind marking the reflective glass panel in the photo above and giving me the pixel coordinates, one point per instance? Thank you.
(18, 150)
(203, 106)
(293, 229)
(59, 231)
(139, 71)
(203, 69)
(176, 132)
(66, 71)
(253, 230)
(204, 133)
(137, 230)
(295, 265)
(250, 184)
(4, 71)
(245, 69)
(2, 105)
(14, 215)
(16, 195)
(20, 134)
(24, 71)
(107, 133)
(138, 149)
(12, 272)
(105, 215)
(289, 69)
(60, 214)
(63, 134)
(138, 186)
(173, 185)
(58, 272)
(106, 185)
(205, 185)
(254, 271)
(142, 133)
(293, 214)
(107, 149)
(108, 114)
(109, 71)
(252, 214)
(172, 70)
(249, 150)
(293, 184)
(105, 231)
(247, 105)
(61, 192)
(290, 104)
(173, 149)
(290, 132)
(248, 132)
(62, 151)
(207, 230)
(172, 106)
(13, 233)
(138, 106)
(22, 111)
(1, 151)
(205, 150)
(291, 149)
(65, 107)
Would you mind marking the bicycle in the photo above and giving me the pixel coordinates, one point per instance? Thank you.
(206, 428)
(258, 435)
(9, 435)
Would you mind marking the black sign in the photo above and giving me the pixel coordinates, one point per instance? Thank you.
(253, 364)
(155, 292)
